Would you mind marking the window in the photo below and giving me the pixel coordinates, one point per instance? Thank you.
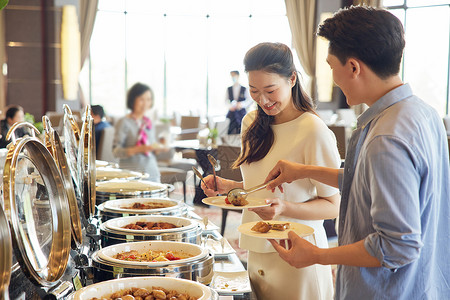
(183, 49)
(426, 57)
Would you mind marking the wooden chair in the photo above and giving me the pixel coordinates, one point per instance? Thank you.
(105, 146)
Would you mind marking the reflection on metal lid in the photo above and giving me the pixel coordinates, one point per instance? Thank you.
(38, 212)
(5, 253)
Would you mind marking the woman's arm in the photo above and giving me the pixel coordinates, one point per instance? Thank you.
(223, 185)
(314, 209)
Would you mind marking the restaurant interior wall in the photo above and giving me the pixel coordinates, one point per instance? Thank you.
(32, 56)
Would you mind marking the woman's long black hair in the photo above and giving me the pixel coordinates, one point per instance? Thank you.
(271, 58)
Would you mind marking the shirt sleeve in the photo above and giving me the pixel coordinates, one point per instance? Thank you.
(394, 180)
(322, 151)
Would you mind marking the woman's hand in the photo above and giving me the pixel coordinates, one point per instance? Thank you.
(223, 185)
(277, 207)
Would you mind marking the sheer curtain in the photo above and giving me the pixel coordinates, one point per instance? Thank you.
(302, 21)
(88, 11)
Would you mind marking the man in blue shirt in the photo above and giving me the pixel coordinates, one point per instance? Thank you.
(98, 116)
(394, 222)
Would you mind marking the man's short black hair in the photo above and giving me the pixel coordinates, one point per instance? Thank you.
(98, 111)
(375, 36)
(234, 72)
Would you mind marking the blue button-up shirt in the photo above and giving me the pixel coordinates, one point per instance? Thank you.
(396, 197)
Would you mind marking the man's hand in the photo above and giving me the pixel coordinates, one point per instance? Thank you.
(300, 253)
(276, 208)
(285, 171)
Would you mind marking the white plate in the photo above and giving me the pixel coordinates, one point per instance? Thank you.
(216, 249)
(209, 227)
(231, 282)
(219, 201)
(106, 288)
(117, 224)
(196, 251)
(300, 229)
(118, 204)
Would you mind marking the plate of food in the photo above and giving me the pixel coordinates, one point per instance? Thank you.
(231, 282)
(273, 229)
(222, 202)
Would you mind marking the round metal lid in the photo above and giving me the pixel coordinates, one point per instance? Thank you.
(5, 254)
(109, 173)
(36, 204)
(53, 144)
(71, 134)
(86, 163)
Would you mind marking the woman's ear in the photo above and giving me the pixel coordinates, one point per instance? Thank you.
(293, 79)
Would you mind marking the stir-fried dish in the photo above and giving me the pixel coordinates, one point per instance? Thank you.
(264, 227)
(153, 293)
(150, 205)
(151, 256)
(150, 226)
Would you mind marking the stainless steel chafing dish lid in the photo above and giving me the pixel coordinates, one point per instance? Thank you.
(36, 204)
(71, 134)
(53, 144)
(86, 164)
(5, 255)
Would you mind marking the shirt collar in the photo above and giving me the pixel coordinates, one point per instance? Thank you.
(392, 97)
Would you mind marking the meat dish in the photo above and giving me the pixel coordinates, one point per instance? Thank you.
(150, 226)
(150, 205)
(154, 293)
(264, 227)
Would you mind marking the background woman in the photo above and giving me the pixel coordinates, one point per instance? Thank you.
(135, 134)
(285, 126)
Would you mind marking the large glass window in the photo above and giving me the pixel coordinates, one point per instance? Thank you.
(426, 59)
(183, 49)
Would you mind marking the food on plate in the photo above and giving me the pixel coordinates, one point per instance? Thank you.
(236, 201)
(261, 226)
(151, 256)
(264, 227)
(150, 226)
(146, 294)
(150, 205)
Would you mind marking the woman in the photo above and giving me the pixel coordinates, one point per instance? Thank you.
(285, 126)
(135, 134)
(14, 114)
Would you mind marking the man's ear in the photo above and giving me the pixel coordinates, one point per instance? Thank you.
(355, 66)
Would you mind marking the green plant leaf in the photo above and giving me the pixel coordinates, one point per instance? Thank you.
(3, 3)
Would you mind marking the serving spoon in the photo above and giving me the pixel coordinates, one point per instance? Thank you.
(239, 193)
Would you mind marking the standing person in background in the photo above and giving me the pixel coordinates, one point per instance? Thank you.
(285, 126)
(98, 116)
(394, 218)
(14, 114)
(238, 99)
(134, 138)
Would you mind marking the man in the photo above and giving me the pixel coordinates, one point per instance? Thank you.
(98, 116)
(394, 218)
(238, 100)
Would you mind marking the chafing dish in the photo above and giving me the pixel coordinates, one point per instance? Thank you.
(115, 208)
(71, 134)
(5, 255)
(199, 267)
(112, 231)
(109, 173)
(104, 289)
(120, 189)
(53, 144)
(37, 207)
